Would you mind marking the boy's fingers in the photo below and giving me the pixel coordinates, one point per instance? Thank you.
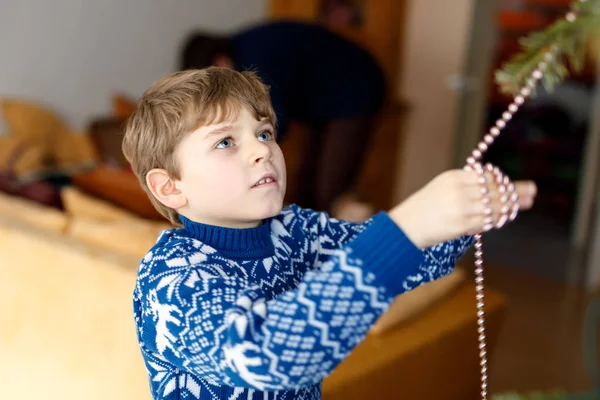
(526, 188)
(527, 191)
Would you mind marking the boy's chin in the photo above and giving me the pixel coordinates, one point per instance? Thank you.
(269, 211)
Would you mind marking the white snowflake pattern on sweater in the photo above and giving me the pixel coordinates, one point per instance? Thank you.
(212, 326)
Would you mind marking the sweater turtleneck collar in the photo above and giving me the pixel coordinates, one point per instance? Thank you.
(233, 243)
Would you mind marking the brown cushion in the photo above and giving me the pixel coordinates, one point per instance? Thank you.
(120, 187)
(51, 146)
(76, 150)
(31, 122)
(28, 164)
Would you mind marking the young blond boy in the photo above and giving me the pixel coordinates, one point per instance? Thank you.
(249, 299)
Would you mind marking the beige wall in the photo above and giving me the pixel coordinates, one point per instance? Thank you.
(435, 44)
(73, 55)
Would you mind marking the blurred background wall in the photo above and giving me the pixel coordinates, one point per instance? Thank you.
(74, 54)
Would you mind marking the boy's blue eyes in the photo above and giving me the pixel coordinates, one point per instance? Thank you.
(264, 136)
(225, 143)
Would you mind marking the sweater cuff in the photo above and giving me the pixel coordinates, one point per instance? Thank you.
(387, 253)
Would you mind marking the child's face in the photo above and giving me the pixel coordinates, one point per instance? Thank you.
(232, 173)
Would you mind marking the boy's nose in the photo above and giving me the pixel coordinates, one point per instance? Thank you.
(260, 152)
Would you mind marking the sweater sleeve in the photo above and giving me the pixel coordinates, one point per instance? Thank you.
(327, 233)
(227, 330)
(444, 256)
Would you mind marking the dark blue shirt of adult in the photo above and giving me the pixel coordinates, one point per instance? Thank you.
(315, 75)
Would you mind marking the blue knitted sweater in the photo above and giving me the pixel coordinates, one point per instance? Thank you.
(268, 312)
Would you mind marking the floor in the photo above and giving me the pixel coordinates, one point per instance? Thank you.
(534, 243)
(540, 347)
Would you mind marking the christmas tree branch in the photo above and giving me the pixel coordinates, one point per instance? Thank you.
(569, 42)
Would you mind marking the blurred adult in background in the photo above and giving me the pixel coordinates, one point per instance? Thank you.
(316, 77)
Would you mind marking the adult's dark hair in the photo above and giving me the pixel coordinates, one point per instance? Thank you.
(201, 48)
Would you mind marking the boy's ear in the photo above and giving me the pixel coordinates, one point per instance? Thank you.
(165, 189)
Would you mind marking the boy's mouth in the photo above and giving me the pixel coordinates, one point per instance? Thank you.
(266, 180)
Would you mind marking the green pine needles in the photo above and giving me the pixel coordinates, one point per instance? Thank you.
(569, 41)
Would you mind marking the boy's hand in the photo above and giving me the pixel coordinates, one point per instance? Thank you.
(451, 205)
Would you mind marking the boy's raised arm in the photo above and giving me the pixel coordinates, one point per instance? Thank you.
(326, 233)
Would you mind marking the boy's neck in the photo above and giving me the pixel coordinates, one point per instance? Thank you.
(253, 242)
(220, 223)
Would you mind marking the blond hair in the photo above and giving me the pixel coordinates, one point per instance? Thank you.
(180, 103)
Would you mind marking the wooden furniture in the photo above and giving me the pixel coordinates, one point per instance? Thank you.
(378, 29)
